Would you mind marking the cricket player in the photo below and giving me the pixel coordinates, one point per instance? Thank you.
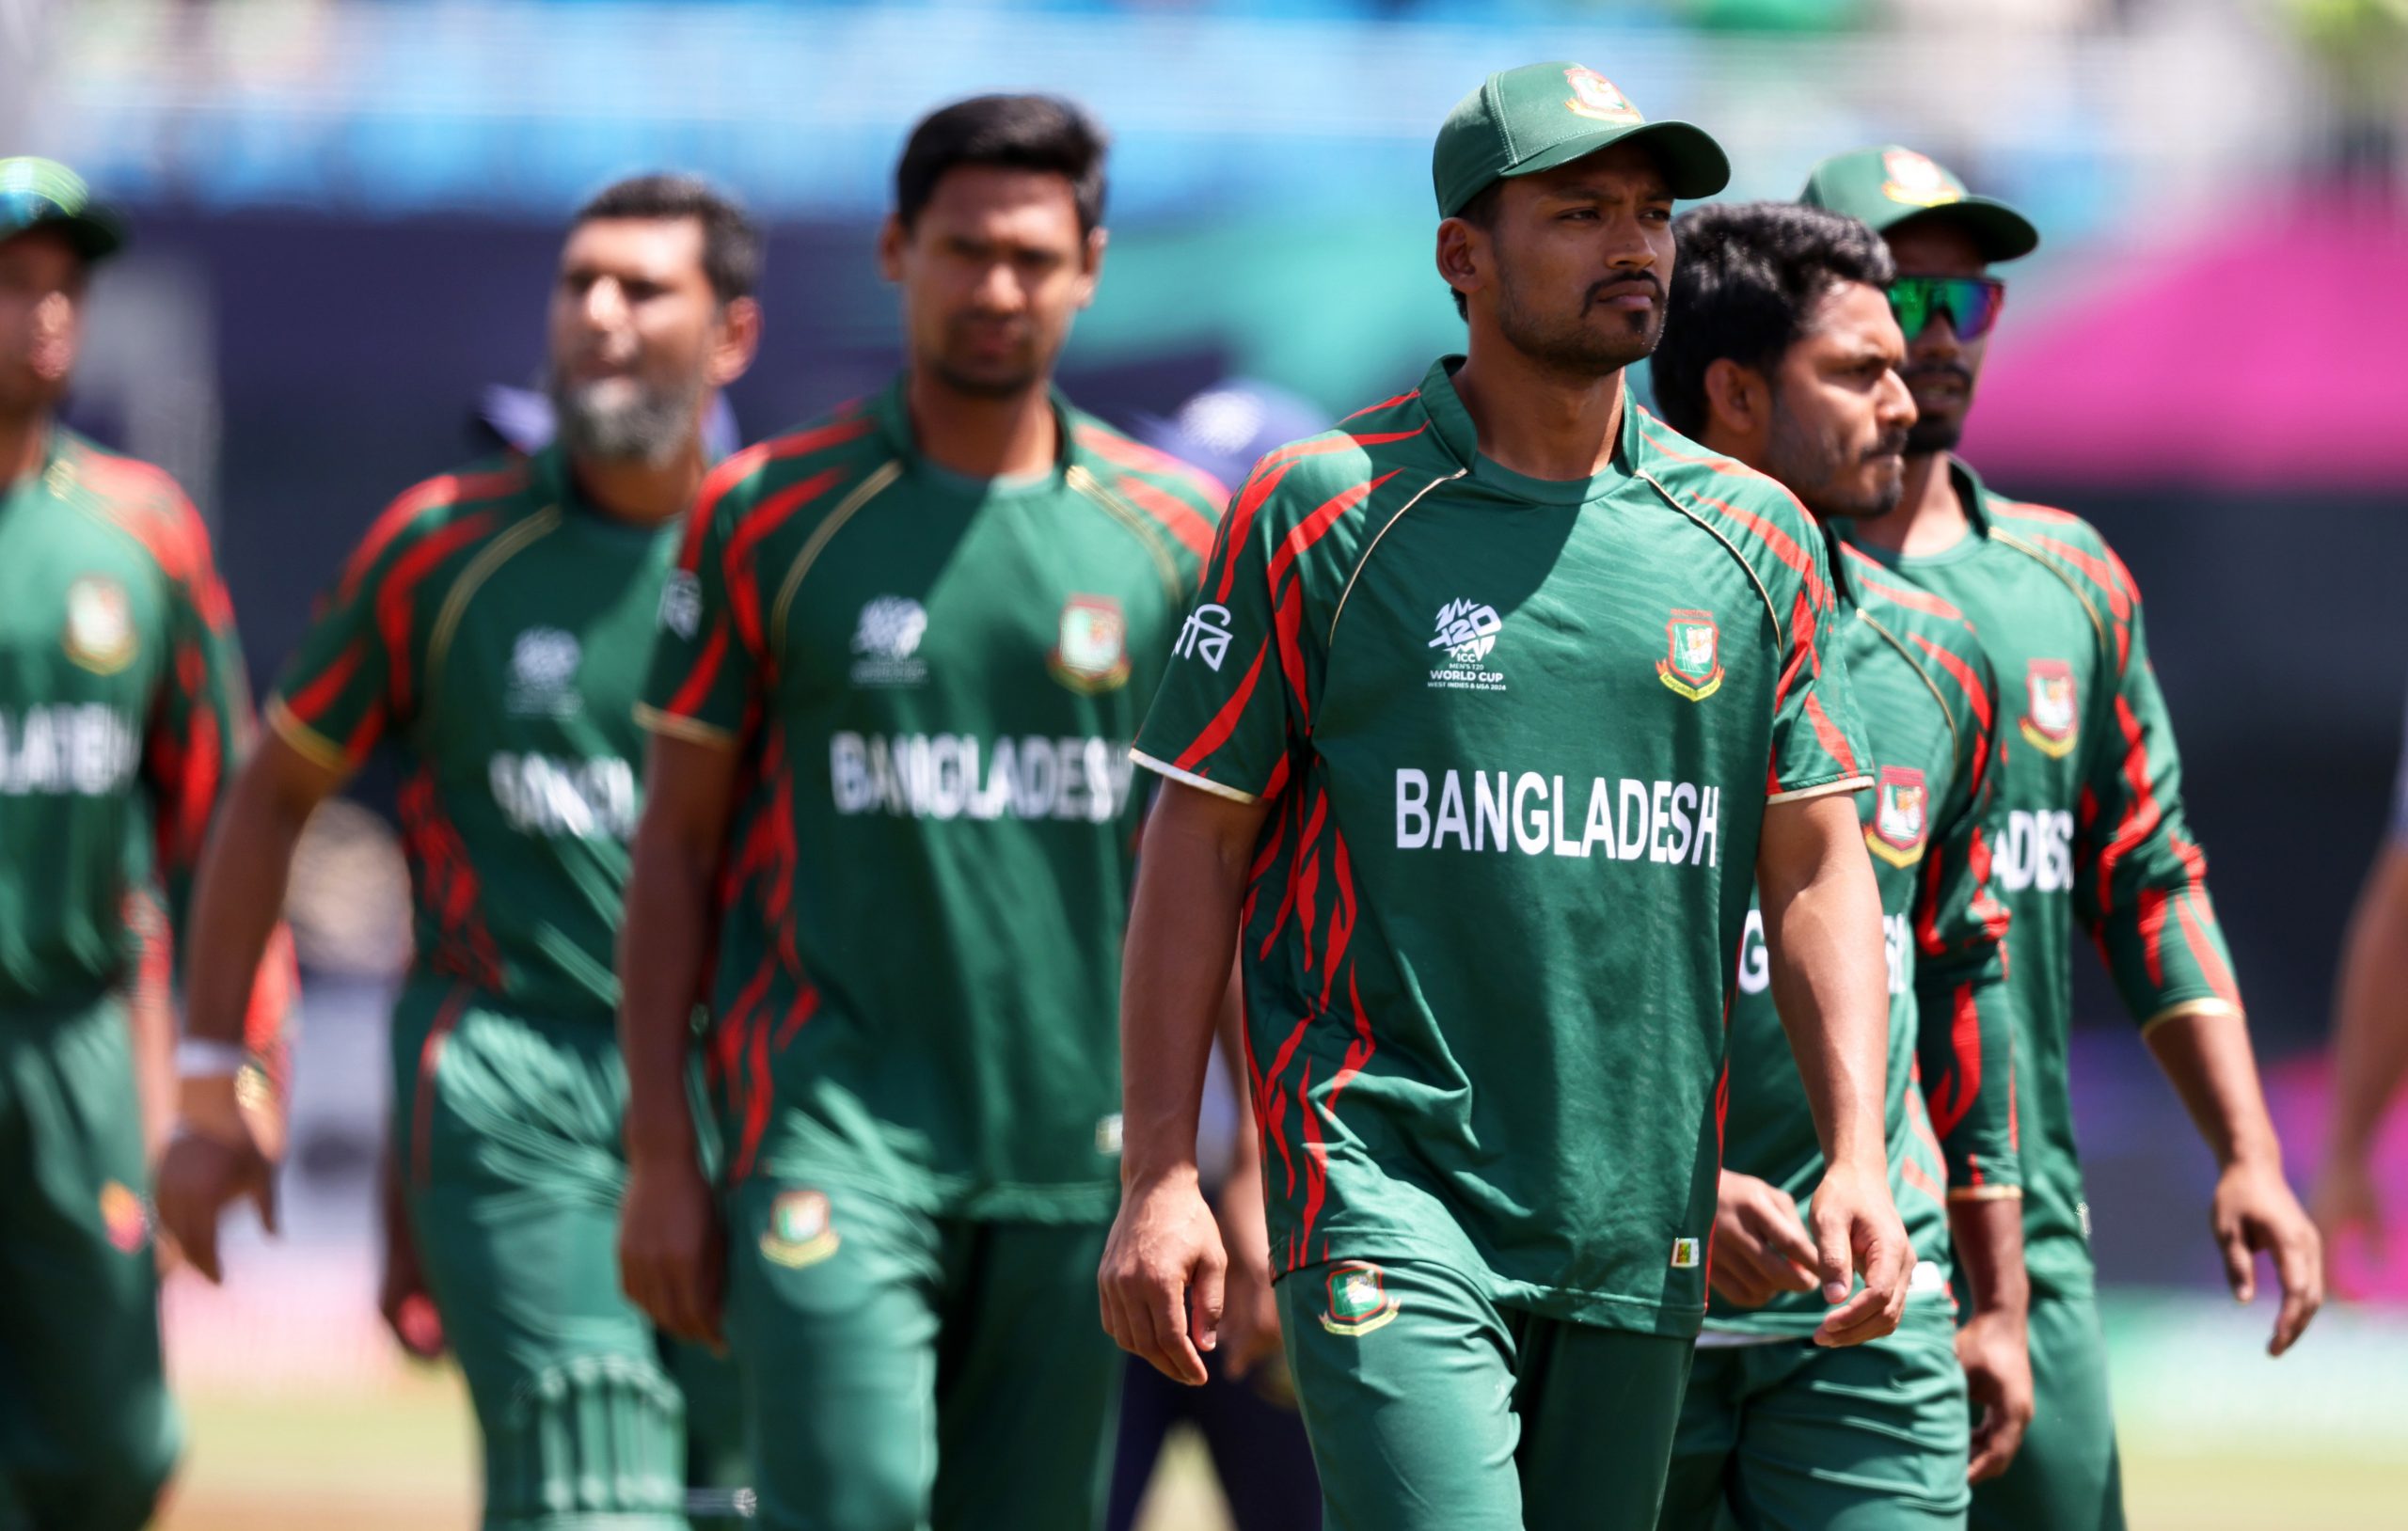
(2369, 1042)
(123, 709)
(1496, 703)
(1781, 352)
(493, 627)
(2094, 838)
(900, 665)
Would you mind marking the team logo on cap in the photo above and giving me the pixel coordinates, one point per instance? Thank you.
(1692, 662)
(1901, 816)
(2048, 723)
(1916, 179)
(99, 625)
(1358, 1300)
(800, 1232)
(1091, 653)
(1595, 96)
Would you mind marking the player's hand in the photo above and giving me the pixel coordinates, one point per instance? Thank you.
(2254, 1213)
(671, 1249)
(1994, 1349)
(1857, 1231)
(402, 1298)
(1249, 1312)
(1760, 1244)
(2349, 1208)
(213, 1159)
(1160, 1281)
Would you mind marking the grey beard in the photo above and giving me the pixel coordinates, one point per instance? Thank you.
(650, 429)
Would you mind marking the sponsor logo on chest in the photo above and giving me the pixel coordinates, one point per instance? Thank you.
(99, 634)
(1467, 632)
(2051, 722)
(78, 749)
(886, 642)
(1091, 649)
(543, 675)
(1901, 816)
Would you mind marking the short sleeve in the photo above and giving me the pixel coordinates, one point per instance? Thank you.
(333, 701)
(1220, 720)
(1818, 739)
(707, 655)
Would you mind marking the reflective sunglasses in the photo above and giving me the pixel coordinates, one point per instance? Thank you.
(1971, 303)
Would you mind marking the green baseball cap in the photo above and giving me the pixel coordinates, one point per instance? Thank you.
(37, 193)
(1887, 186)
(1524, 121)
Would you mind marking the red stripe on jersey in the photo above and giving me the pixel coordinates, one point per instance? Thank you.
(1180, 519)
(185, 771)
(1406, 398)
(2203, 951)
(1314, 527)
(1918, 1179)
(1834, 743)
(1288, 626)
(2025, 511)
(310, 702)
(2142, 814)
(1358, 1051)
(1316, 1165)
(450, 489)
(1783, 545)
(430, 1059)
(1113, 446)
(1272, 1109)
(696, 687)
(1341, 930)
(743, 591)
(1958, 1092)
(1224, 722)
(1287, 885)
(1977, 696)
(2118, 599)
(401, 583)
(1309, 877)
(756, 1097)
(1868, 573)
(2153, 910)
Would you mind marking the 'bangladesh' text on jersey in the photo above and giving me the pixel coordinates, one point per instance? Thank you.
(1516, 738)
(1925, 691)
(2090, 789)
(496, 629)
(934, 681)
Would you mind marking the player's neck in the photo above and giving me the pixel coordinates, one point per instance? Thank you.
(1929, 518)
(638, 491)
(24, 440)
(979, 437)
(1537, 420)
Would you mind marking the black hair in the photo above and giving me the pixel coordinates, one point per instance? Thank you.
(1481, 213)
(731, 239)
(1019, 133)
(1747, 275)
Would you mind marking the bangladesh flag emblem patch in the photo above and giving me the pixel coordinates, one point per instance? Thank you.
(1692, 662)
(1901, 816)
(800, 1232)
(1358, 1300)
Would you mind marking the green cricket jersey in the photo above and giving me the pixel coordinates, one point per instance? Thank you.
(933, 681)
(1925, 692)
(495, 627)
(2091, 787)
(123, 713)
(1516, 738)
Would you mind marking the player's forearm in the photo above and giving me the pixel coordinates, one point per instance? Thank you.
(239, 898)
(2370, 1039)
(1822, 914)
(2208, 1058)
(664, 944)
(1174, 984)
(1987, 1236)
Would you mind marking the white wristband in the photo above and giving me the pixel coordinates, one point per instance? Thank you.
(198, 1058)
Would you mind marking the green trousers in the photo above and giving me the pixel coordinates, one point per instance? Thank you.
(88, 1434)
(506, 1130)
(910, 1373)
(1432, 1409)
(2068, 1476)
(1789, 1436)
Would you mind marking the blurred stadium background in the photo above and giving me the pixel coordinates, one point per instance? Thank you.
(346, 214)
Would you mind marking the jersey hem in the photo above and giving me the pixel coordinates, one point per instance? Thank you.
(652, 721)
(1820, 789)
(301, 736)
(1986, 1193)
(1923, 1310)
(1603, 1310)
(1190, 779)
(935, 1198)
(2208, 1005)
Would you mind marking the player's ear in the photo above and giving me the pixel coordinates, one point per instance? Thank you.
(1091, 264)
(737, 343)
(1462, 255)
(892, 236)
(1738, 398)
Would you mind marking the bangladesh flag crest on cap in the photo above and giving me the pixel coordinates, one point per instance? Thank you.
(1358, 1300)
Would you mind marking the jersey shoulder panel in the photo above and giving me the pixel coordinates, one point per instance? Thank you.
(435, 523)
(1170, 505)
(755, 492)
(1758, 517)
(144, 503)
(2071, 543)
(1935, 635)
